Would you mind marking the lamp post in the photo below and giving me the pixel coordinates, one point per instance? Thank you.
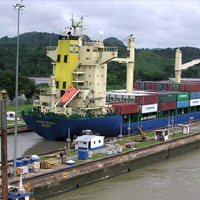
(19, 7)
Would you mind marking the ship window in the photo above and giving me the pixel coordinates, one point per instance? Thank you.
(62, 92)
(58, 58)
(65, 58)
(57, 84)
(88, 50)
(64, 85)
(94, 142)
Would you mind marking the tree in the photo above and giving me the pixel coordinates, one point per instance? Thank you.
(7, 82)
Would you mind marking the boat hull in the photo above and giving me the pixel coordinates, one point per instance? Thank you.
(55, 128)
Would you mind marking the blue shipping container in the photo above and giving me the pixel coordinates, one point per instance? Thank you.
(82, 155)
(195, 95)
(164, 86)
(182, 104)
(27, 161)
(34, 160)
(23, 162)
(18, 163)
(141, 85)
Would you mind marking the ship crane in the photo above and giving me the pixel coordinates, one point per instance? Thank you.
(129, 61)
(179, 66)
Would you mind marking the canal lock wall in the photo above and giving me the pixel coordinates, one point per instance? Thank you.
(87, 173)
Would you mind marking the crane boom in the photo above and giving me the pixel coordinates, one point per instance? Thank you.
(179, 66)
(190, 64)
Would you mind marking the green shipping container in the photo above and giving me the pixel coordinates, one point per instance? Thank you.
(167, 97)
(158, 86)
(175, 87)
(181, 96)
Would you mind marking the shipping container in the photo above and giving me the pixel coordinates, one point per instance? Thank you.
(153, 86)
(167, 97)
(115, 103)
(181, 96)
(126, 108)
(167, 106)
(195, 95)
(149, 108)
(182, 104)
(146, 99)
(170, 86)
(137, 85)
(175, 87)
(195, 102)
(158, 86)
(141, 84)
(147, 85)
(164, 86)
(189, 87)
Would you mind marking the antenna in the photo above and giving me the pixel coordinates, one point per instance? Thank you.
(77, 25)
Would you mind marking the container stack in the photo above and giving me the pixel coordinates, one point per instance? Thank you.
(156, 96)
(194, 98)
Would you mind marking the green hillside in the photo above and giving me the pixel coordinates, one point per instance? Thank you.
(151, 64)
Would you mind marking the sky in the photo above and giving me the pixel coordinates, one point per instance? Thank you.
(155, 24)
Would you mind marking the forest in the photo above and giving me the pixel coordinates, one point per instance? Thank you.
(150, 64)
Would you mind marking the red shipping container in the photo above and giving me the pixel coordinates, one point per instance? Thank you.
(193, 88)
(189, 87)
(147, 85)
(153, 86)
(182, 87)
(137, 85)
(170, 87)
(115, 103)
(146, 99)
(127, 108)
(167, 106)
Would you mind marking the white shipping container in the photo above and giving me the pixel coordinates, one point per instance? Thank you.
(149, 108)
(194, 102)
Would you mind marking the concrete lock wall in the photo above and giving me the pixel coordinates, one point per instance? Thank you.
(113, 166)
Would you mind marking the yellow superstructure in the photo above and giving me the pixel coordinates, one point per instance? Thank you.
(67, 61)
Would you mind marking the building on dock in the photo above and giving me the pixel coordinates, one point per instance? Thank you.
(89, 142)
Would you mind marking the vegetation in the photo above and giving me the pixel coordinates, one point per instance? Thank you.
(147, 143)
(178, 135)
(150, 64)
(20, 107)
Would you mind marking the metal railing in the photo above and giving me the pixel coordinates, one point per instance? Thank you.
(51, 48)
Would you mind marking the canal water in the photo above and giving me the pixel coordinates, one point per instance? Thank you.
(172, 179)
(30, 143)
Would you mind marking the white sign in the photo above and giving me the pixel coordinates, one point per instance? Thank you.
(149, 108)
(194, 102)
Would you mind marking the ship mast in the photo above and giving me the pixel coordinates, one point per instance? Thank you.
(77, 25)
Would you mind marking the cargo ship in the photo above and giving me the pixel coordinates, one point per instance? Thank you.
(76, 98)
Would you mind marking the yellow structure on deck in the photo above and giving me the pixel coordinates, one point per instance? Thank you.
(67, 61)
(140, 137)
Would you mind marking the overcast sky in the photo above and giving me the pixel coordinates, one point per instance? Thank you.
(154, 23)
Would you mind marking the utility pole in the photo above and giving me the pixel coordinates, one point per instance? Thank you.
(68, 140)
(129, 127)
(4, 146)
(19, 7)
(121, 133)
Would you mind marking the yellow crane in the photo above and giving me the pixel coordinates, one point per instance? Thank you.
(140, 137)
